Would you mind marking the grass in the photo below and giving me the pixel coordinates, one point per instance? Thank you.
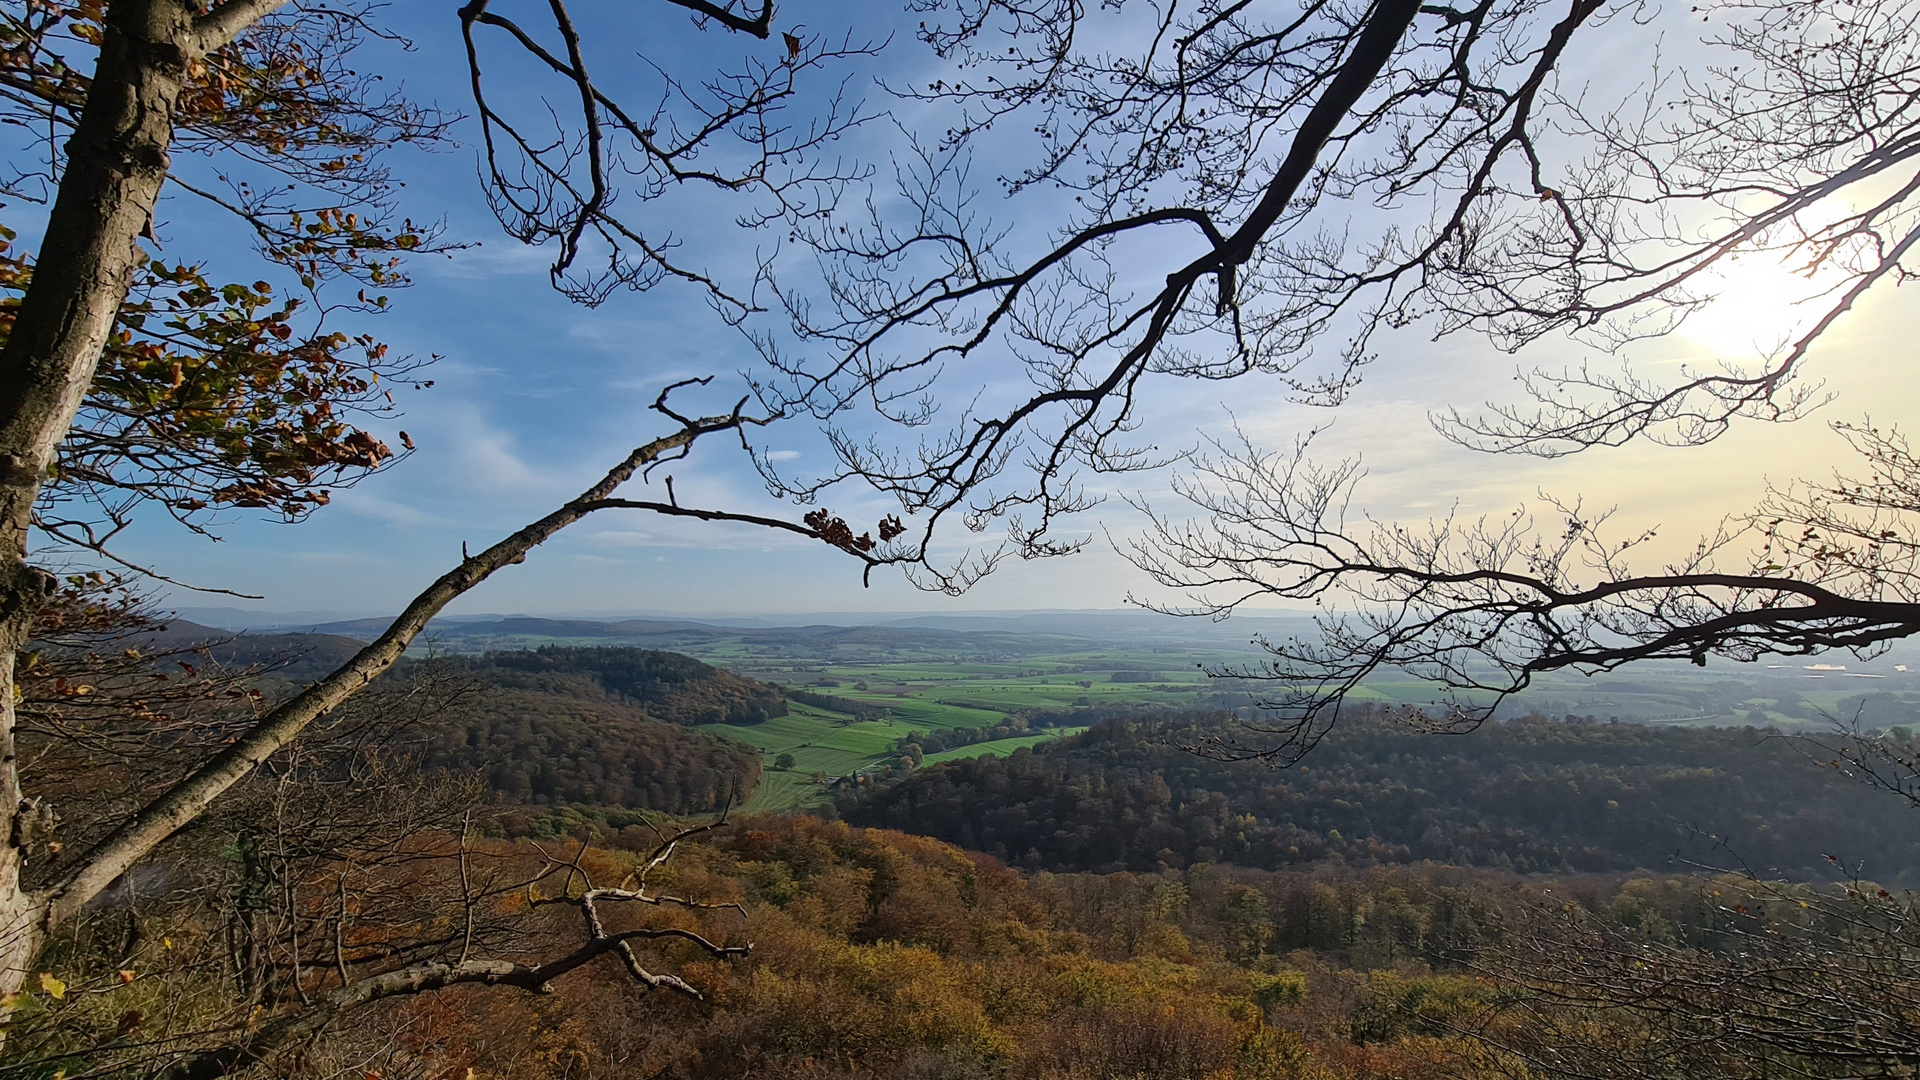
(920, 690)
(976, 681)
(873, 738)
(780, 790)
(926, 695)
(999, 746)
(821, 742)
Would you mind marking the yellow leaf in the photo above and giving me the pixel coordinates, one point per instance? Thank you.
(166, 942)
(54, 987)
(11, 999)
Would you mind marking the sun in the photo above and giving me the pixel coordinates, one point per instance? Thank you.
(1758, 307)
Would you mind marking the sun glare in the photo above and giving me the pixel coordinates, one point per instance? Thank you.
(1758, 307)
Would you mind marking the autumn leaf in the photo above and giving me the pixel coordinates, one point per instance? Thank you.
(54, 987)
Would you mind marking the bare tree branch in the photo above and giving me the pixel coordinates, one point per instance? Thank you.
(1479, 608)
(187, 799)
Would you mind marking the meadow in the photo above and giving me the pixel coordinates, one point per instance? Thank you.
(921, 697)
(976, 673)
(825, 744)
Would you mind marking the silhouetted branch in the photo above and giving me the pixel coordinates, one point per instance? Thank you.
(1479, 608)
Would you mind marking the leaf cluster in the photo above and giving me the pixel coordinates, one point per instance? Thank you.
(213, 395)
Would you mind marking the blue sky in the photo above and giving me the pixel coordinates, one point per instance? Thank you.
(536, 396)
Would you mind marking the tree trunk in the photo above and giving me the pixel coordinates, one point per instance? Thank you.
(116, 162)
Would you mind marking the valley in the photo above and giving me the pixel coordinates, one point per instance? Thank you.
(874, 685)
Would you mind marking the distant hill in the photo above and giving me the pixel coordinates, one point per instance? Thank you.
(294, 657)
(604, 727)
(668, 686)
(598, 727)
(970, 635)
(1531, 795)
(520, 626)
(544, 747)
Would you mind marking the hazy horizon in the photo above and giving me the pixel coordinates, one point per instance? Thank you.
(252, 618)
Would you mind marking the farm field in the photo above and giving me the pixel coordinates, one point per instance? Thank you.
(826, 745)
(903, 685)
(1000, 746)
(927, 697)
(933, 675)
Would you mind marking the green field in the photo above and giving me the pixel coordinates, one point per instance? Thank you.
(918, 696)
(903, 680)
(926, 697)
(915, 692)
(999, 746)
(829, 745)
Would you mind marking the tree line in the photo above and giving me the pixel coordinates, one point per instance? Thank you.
(1532, 795)
(1219, 151)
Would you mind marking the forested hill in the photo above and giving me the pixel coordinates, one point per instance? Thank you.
(1532, 795)
(669, 686)
(594, 727)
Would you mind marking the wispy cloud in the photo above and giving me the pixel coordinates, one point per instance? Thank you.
(404, 515)
(483, 456)
(598, 560)
(487, 261)
(623, 538)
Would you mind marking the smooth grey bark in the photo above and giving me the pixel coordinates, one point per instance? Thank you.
(115, 166)
(116, 162)
(159, 819)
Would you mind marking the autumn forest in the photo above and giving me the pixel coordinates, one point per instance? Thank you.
(959, 540)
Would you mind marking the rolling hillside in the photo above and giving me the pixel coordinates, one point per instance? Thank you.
(1529, 795)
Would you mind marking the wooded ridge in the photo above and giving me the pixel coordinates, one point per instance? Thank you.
(1532, 795)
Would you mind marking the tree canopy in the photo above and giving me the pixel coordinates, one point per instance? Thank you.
(1222, 191)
